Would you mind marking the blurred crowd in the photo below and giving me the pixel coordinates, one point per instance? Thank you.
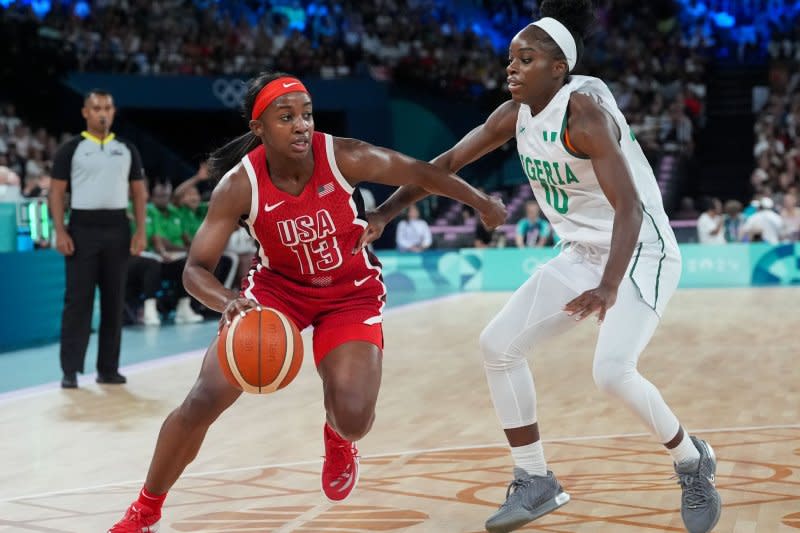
(428, 42)
(776, 152)
(154, 283)
(658, 77)
(25, 156)
(760, 221)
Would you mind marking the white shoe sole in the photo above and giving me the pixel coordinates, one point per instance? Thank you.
(561, 499)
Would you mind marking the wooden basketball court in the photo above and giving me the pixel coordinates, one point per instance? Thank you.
(725, 360)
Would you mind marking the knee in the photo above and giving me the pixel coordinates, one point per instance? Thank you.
(498, 352)
(198, 409)
(612, 377)
(350, 413)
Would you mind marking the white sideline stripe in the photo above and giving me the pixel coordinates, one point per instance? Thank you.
(135, 368)
(400, 454)
(36, 390)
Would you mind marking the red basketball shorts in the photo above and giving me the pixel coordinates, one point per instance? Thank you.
(338, 316)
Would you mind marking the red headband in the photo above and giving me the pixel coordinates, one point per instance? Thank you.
(273, 90)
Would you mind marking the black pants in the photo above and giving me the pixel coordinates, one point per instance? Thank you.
(144, 278)
(102, 243)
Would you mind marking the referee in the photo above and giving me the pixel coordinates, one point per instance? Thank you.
(97, 169)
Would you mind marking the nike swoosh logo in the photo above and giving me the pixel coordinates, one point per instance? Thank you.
(287, 85)
(350, 479)
(521, 130)
(269, 208)
(360, 282)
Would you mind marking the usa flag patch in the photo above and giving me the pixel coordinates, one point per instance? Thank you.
(325, 189)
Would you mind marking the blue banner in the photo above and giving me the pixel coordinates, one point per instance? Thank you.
(220, 93)
(505, 269)
(32, 284)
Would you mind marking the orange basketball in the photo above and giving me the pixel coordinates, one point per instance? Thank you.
(260, 352)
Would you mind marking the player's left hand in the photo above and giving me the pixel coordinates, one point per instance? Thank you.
(138, 241)
(597, 300)
(375, 226)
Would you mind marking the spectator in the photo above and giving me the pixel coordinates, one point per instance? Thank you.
(8, 176)
(165, 232)
(790, 214)
(243, 247)
(189, 208)
(532, 231)
(37, 187)
(97, 242)
(676, 131)
(192, 211)
(413, 234)
(764, 225)
(687, 210)
(143, 284)
(168, 239)
(734, 220)
(710, 225)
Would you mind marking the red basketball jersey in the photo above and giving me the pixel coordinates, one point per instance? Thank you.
(305, 242)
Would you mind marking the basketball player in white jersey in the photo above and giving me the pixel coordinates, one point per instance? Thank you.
(620, 259)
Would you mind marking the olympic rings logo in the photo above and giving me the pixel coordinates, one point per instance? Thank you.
(229, 91)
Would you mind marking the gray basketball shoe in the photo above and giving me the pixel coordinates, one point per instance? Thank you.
(527, 498)
(701, 505)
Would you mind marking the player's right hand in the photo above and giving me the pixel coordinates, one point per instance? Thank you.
(493, 213)
(237, 306)
(64, 243)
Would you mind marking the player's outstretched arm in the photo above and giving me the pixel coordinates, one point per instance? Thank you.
(495, 132)
(229, 201)
(360, 161)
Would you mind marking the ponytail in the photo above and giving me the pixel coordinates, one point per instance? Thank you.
(228, 156)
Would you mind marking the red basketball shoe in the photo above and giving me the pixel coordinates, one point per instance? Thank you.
(340, 469)
(138, 518)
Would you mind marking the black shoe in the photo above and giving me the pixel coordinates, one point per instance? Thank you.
(111, 379)
(69, 381)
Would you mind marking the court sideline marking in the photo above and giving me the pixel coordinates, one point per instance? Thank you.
(38, 390)
(394, 454)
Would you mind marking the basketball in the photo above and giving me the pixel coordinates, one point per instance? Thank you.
(261, 351)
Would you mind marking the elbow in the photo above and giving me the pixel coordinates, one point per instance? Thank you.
(443, 161)
(188, 278)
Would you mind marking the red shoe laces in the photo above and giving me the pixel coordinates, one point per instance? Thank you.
(339, 455)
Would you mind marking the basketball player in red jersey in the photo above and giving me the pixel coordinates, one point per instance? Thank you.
(293, 188)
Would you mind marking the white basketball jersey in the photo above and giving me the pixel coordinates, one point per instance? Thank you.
(565, 184)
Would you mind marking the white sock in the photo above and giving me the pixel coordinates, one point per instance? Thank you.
(685, 451)
(530, 458)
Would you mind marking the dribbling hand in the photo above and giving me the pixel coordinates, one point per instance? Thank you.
(494, 213)
(597, 300)
(237, 306)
